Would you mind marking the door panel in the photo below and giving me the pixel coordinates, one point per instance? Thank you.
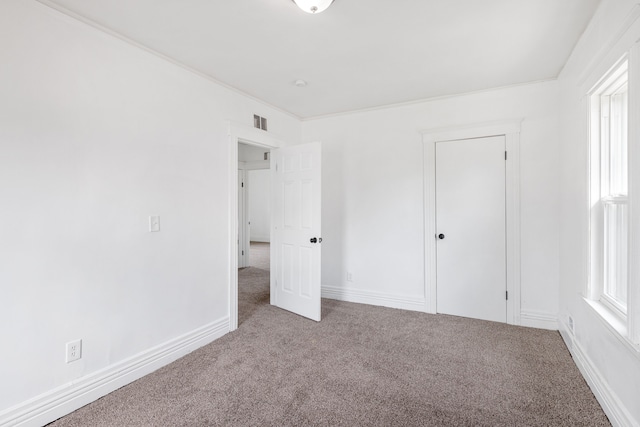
(296, 220)
(470, 214)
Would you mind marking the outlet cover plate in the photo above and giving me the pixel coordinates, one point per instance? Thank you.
(74, 350)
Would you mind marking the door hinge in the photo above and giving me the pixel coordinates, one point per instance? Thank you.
(506, 294)
(243, 185)
(505, 155)
(242, 252)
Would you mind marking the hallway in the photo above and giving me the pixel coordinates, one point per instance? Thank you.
(253, 281)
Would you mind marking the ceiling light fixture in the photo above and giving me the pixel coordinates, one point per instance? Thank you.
(313, 6)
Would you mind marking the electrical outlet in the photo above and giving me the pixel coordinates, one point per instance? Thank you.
(349, 276)
(571, 325)
(74, 350)
(154, 223)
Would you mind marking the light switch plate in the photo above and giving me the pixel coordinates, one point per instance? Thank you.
(154, 223)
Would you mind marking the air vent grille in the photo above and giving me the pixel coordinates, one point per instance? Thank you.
(259, 122)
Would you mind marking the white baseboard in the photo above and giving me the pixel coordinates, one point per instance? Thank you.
(618, 414)
(65, 399)
(567, 337)
(373, 298)
(538, 319)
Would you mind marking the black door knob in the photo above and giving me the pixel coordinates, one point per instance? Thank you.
(313, 240)
(440, 236)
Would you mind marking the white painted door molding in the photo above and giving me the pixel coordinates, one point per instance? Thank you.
(252, 136)
(243, 229)
(511, 131)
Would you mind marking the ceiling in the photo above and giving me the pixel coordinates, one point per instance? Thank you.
(357, 54)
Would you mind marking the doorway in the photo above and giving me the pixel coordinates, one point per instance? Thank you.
(254, 229)
(254, 199)
(295, 282)
(239, 133)
(507, 134)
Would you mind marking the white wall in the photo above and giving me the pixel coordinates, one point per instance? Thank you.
(372, 200)
(251, 153)
(259, 195)
(95, 136)
(610, 364)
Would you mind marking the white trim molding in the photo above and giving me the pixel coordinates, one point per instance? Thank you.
(618, 43)
(383, 299)
(539, 319)
(511, 130)
(65, 399)
(611, 404)
(252, 136)
(633, 295)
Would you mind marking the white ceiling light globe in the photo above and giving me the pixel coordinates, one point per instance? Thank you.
(313, 6)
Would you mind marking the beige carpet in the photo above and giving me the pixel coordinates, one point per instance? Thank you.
(253, 282)
(362, 365)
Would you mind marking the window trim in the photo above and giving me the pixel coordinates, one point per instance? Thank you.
(603, 87)
(633, 174)
(626, 328)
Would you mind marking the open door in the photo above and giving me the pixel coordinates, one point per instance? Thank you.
(296, 237)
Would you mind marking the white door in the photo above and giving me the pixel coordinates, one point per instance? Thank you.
(471, 228)
(295, 250)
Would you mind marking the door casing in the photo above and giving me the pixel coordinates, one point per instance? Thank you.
(511, 131)
(243, 247)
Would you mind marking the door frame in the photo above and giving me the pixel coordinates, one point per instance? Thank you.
(243, 259)
(248, 135)
(510, 129)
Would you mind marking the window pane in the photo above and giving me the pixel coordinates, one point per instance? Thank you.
(618, 143)
(615, 250)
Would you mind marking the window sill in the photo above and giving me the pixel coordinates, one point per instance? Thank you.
(614, 323)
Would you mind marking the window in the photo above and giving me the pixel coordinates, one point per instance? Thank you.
(609, 189)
